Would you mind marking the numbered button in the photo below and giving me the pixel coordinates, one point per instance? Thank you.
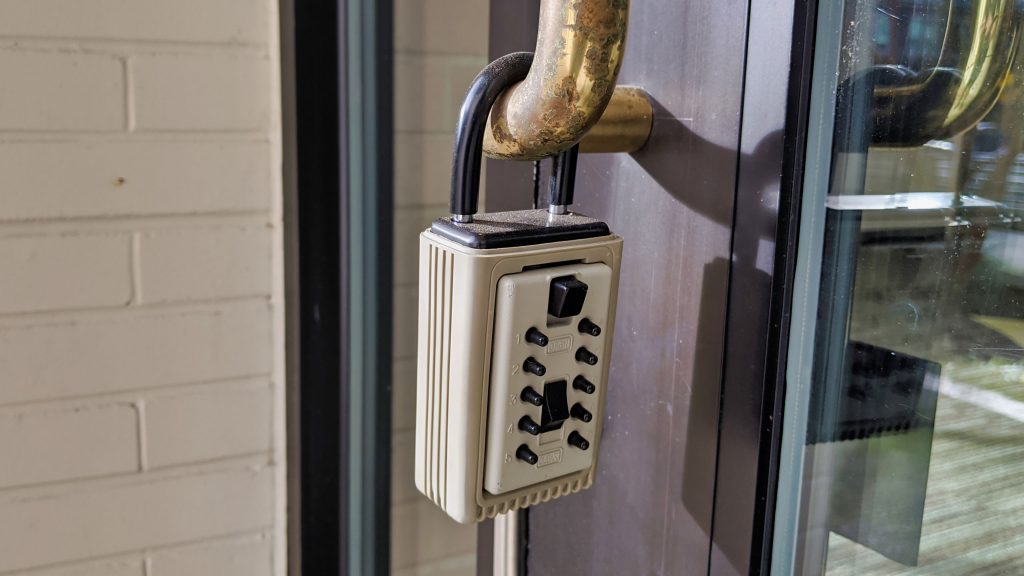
(532, 396)
(574, 439)
(526, 455)
(583, 385)
(534, 336)
(587, 327)
(533, 367)
(526, 424)
(580, 413)
(586, 356)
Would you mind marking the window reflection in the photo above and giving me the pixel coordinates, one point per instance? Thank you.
(915, 440)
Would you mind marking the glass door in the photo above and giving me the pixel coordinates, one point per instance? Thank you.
(903, 434)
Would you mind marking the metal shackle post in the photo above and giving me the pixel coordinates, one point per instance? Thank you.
(563, 181)
(469, 134)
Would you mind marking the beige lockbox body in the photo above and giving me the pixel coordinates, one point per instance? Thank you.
(473, 457)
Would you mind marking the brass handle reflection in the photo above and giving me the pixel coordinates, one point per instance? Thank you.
(580, 46)
(959, 93)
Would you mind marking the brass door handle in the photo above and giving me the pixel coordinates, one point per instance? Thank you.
(571, 88)
(955, 95)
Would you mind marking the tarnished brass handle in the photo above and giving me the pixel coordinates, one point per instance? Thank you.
(955, 96)
(580, 46)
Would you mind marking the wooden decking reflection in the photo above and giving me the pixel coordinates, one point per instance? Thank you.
(974, 510)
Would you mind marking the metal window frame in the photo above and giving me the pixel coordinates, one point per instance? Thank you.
(761, 292)
(337, 97)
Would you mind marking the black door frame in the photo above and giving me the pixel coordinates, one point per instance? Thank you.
(760, 293)
(337, 97)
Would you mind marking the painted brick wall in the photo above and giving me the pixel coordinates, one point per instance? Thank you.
(440, 45)
(141, 328)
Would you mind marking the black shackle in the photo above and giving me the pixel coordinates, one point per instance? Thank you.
(495, 78)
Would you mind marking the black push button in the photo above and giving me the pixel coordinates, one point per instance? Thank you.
(530, 395)
(536, 368)
(583, 385)
(534, 336)
(576, 440)
(587, 327)
(526, 424)
(580, 413)
(526, 455)
(566, 296)
(556, 406)
(586, 356)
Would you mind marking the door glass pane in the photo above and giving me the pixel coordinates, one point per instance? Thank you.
(910, 443)
(439, 47)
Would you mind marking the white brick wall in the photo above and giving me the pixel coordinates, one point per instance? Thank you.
(213, 21)
(65, 524)
(137, 176)
(204, 263)
(205, 91)
(64, 272)
(141, 322)
(54, 444)
(117, 567)
(440, 45)
(221, 422)
(248, 556)
(56, 92)
(131, 349)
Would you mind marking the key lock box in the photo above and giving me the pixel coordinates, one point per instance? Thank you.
(516, 313)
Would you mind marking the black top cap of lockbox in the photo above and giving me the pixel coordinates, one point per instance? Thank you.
(519, 228)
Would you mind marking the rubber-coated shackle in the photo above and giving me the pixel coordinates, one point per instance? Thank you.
(469, 134)
(497, 76)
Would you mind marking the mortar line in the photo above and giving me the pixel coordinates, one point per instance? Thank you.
(129, 95)
(135, 264)
(140, 414)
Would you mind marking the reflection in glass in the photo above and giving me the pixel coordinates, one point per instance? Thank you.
(914, 448)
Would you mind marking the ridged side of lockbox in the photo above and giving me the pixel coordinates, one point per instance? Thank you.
(535, 497)
(438, 372)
